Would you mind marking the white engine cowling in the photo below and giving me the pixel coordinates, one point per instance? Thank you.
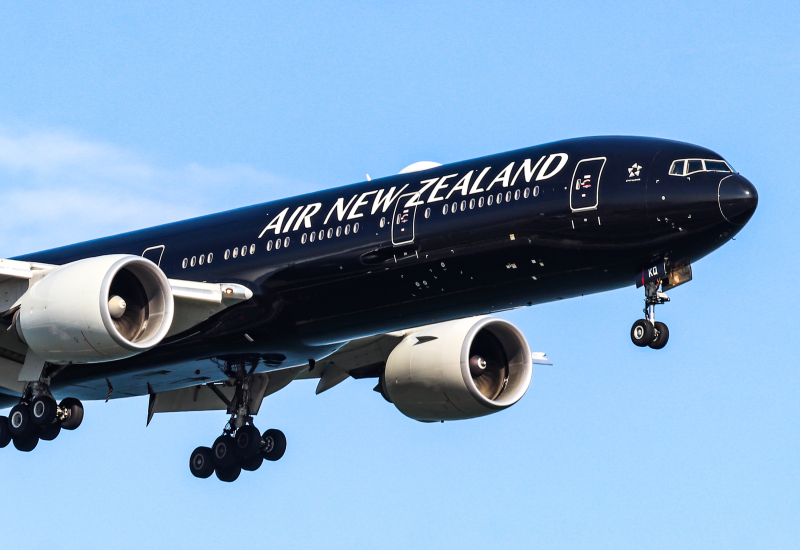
(458, 370)
(97, 309)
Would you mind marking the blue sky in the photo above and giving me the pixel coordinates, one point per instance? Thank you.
(116, 117)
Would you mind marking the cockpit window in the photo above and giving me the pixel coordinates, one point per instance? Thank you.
(694, 166)
(717, 166)
(685, 167)
(677, 168)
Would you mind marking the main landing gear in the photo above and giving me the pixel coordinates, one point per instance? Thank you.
(241, 446)
(243, 449)
(39, 417)
(648, 331)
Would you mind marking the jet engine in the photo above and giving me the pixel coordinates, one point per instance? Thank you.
(98, 309)
(458, 370)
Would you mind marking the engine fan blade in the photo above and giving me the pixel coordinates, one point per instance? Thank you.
(133, 320)
(488, 365)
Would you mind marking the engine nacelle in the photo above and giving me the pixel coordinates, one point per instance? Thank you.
(97, 309)
(458, 370)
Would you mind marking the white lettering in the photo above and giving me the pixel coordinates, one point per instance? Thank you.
(463, 185)
(385, 202)
(529, 172)
(288, 225)
(305, 217)
(475, 188)
(414, 200)
(276, 223)
(543, 175)
(359, 203)
(340, 208)
(502, 177)
(439, 186)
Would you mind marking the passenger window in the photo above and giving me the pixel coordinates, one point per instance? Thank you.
(694, 166)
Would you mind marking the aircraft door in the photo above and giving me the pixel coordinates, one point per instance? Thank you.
(403, 221)
(585, 188)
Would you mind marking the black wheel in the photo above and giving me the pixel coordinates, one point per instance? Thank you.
(253, 463)
(642, 333)
(49, 433)
(19, 421)
(74, 413)
(229, 474)
(43, 410)
(26, 443)
(248, 441)
(661, 336)
(200, 463)
(5, 433)
(223, 452)
(274, 444)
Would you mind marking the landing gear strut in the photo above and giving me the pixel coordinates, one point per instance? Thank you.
(38, 417)
(241, 446)
(648, 331)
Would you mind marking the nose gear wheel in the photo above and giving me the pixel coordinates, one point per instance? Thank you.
(648, 332)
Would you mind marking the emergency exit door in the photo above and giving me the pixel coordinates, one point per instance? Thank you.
(403, 221)
(585, 188)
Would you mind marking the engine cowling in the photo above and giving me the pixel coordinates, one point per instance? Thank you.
(458, 369)
(98, 309)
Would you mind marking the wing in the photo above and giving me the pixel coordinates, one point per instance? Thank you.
(194, 302)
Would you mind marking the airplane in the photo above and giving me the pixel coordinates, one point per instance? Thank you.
(393, 279)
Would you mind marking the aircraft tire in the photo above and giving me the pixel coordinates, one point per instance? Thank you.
(248, 441)
(75, 417)
(253, 463)
(661, 336)
(229, 474)
(201, 463)
(26, 443)
(223, 452)
(49, 433)
(642, 333)
(5, 433)
(43, 410)
(19, 421)
(274, 444)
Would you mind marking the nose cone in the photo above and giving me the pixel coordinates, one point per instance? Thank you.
(738, 199)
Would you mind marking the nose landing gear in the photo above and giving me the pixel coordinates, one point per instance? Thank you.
(648, 331)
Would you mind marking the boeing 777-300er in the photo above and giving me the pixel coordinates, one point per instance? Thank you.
(391, 279)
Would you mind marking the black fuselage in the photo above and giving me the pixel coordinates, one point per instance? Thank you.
(565, 219)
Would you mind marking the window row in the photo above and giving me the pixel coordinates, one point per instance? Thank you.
(236, 252)
(490, 200)
(276, 244)
(197, 260)
(330, 233)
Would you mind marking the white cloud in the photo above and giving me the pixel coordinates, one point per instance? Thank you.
(58, 189)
